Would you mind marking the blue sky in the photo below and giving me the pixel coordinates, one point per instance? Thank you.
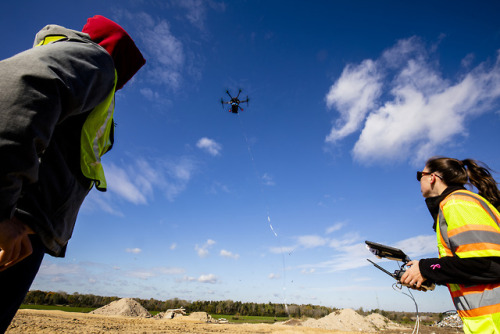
(347, 100)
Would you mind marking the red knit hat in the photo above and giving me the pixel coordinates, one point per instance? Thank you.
(126, 56)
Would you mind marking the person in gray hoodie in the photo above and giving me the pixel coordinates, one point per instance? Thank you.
(56, 121)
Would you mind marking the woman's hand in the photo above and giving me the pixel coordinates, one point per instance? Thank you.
(412, 277)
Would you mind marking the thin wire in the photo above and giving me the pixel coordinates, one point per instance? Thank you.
(257, 175)
(398, 287)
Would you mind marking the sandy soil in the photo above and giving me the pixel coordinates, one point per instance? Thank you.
(36, 321)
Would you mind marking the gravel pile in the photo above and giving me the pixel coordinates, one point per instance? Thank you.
(453, 321)
(350, 320)
(126, 307)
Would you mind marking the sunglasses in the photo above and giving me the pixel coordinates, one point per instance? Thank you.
(420, 174)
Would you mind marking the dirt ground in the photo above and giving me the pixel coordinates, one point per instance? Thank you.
(37, 321)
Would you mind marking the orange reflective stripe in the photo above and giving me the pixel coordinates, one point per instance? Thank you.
(477, 247)
(480, 311)
(443, 247)
(473, 289)
(471, 227)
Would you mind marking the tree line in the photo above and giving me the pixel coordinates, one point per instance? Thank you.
(227, 307)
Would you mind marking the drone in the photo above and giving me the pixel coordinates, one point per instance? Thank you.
(234, 102)
(395, 254)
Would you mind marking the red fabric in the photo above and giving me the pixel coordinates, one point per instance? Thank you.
(126, 56)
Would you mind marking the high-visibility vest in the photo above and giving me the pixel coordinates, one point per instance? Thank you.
(97, 132)
(469, 227)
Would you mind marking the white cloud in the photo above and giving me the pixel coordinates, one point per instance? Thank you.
(133, 250)
(170, 270)
(149, 94)
(141, 274)
(155, 272)
(267, 180)
(403, 107)
(346, 239)
(308, 271)
(203, 251)
(334, 228)
(228, 254)
(163, 51)
(122, 184)
(311, 241)
(178, 174)
(168, 176)
(281, 250)
(210, 278)
(273, 276)
(418, 246)
(350, 253)
(54, 269)
(209, 145)
(353, 95)
(196, 11)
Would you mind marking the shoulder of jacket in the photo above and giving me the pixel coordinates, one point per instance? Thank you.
(460, 195)
(57, 30)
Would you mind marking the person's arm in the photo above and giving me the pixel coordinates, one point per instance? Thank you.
(461, 270)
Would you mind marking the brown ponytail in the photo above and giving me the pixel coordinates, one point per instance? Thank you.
(468, 171)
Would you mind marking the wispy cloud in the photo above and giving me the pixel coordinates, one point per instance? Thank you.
(311, 241)
(349, 249)
(141, 274)
(167, 176)
(209, 145)
(334, 228)
(122, 183)
(203, 250)
(209, 278)
(133, 250)
(403, 107)
(164, 52)
(350, 252)
(268, 180)
(155, 272)
(273, 276)
(228, 254)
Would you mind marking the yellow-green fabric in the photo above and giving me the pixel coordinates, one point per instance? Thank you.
(468, 226)
(96, 140)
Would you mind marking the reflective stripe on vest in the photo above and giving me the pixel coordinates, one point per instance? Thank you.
(465, 218)
(96, 135)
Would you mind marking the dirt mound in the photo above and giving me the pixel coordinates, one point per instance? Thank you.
(379, 320)
(126, 307)
(350, 320)
(202, 316)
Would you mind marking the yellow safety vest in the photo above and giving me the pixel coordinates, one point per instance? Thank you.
(469, 226)
(96, 135)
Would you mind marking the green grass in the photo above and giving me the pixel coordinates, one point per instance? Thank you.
(58, 308)
(247, 319)
(231, 318)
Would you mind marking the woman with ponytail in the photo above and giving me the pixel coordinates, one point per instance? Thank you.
(467, 226)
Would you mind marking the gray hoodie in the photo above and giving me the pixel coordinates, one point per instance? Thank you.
(46, 93)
